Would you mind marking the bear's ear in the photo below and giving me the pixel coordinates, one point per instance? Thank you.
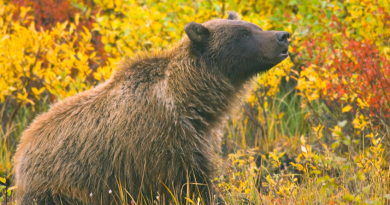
(197, 33)
(232, 16)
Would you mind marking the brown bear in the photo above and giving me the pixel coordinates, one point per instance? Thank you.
(148, 132)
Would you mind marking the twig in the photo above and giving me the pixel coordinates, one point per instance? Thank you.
(261, 102)
(311, 108)
(255, 122)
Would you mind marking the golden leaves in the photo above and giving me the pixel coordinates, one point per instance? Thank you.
(346, 108)
(32, 60)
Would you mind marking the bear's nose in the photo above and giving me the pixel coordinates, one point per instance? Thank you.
(282, 36)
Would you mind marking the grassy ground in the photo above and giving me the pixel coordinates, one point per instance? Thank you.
(308, 156)
(273, 158)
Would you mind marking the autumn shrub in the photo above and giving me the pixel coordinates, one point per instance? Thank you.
(37, 68)
(347, 70)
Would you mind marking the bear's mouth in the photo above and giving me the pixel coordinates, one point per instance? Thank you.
(284, 53)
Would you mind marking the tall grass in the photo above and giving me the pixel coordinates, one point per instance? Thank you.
(275, 158)
(302, 156)
(15, 119)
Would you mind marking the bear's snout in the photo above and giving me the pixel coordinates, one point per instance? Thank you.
(282, 38)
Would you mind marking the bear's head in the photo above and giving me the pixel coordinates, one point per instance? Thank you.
(238, 49)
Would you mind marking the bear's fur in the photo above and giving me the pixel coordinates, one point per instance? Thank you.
(151, 126)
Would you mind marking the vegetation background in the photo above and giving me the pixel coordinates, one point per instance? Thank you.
(314, 129)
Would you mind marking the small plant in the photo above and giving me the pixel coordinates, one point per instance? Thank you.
(6, 189)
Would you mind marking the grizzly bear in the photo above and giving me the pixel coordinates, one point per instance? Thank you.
(147, 133)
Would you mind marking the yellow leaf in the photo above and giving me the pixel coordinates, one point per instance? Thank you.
(12, 188)
(188, 199)
(3, 180)
(247, 191)
(36, 91)
(76, 19)
(22, 97)
(346, 108)
(300, 167)
(280, 115)
(325, 146)
(307, 116)
(308, 149)
(371, 135)
(281, 155)
(361, 103)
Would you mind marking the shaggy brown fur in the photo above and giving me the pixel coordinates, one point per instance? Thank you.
(149, 128)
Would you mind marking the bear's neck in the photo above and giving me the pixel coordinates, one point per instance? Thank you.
(203, 96)
(195, 94)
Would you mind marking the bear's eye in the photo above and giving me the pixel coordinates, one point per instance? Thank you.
(245, 34)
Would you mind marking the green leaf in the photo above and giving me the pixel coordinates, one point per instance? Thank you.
(314, 2)
(335, 144)
(108, 48)
(346, 166)
(360, 176)
(88, 13)
(369, 18)
(171, 29)
(349, 197)
(316, 172)
(329, 14)
(347, 141)
(366, 189)
(292, 2)
(217, 7)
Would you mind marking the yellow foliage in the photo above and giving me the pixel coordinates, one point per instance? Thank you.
(34, 61)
